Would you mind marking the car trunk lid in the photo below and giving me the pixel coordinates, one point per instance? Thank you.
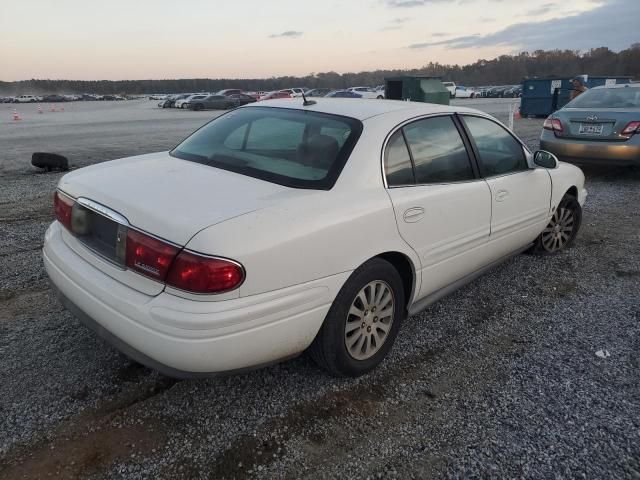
(594, 124)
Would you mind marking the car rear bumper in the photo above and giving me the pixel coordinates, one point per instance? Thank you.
(187, 338)
(592, 152)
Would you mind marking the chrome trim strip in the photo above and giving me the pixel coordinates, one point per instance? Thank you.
(104, 211)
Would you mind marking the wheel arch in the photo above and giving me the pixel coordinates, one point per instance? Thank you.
(406, 269)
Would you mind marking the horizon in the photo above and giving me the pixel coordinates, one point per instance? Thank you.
(42, 39)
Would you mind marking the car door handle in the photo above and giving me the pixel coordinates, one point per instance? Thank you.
(501, 195)
(414, 214)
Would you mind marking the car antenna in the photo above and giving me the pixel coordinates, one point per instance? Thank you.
(306, 102)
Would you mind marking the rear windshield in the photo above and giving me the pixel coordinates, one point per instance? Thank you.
(628, 97)
(295, 148)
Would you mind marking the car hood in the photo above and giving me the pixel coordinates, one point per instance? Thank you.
(172, 198)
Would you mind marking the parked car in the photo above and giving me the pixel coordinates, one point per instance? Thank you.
(343, 94)
(158, 96)
(366, 92)
(512, 92)
(497, 92)
(27, 99)
(464, 92)
(214, 102)
(170, 101)
(53, 98)
(182, 103)
(229, 91)
(294, 92)
(242, 98)
(451, 86)
(273, 229)
(275, 95)
(600, 126)
(317, 92)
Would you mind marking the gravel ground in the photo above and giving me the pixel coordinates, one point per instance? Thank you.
(501, 379)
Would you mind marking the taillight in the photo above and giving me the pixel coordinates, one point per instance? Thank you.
(552, 124)
(201, 274)
(63, 206)
(149, 256)
(631, 128)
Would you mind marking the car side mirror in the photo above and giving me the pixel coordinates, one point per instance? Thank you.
(545, 159)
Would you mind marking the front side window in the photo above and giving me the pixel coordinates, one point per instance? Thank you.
(295, 148)
(500, 153)
(439, 155)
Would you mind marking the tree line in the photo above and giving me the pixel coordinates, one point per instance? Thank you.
(503, 70)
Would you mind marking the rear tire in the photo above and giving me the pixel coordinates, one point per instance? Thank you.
(363, 321)
(562, 229)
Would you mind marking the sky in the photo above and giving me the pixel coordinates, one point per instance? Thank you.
(144, 39)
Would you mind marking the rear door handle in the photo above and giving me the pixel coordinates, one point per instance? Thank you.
(501, 195)
(413, 214)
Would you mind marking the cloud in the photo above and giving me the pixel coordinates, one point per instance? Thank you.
(541, 10)
(601, 26)
(287, 34)
(396, 24)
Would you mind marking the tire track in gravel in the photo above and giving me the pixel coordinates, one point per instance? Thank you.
(94, 440)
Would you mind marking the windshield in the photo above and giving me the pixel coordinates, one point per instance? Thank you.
(628, 97)
(295, 148)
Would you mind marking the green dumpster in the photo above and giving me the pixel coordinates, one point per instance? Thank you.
(416, 89)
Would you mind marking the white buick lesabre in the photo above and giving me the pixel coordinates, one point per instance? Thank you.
(291, 226)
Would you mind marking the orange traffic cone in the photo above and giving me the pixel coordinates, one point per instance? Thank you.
(16, 117)
(39, 109)
(53, 108)
(62, 109)
(517, 115)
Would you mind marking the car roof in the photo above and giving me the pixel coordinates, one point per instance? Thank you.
(618, 85)
(361, 109)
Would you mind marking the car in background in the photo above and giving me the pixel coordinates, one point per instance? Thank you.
(514, 91)
(206, 259)
(242, 98)
(27, 99)
(366, 92)
(158, 96)
(170, 101)
(275, 95)
(317, 92)
(464, 92)
(229, 91)
(54, 98)
(294, 92)
(600, 126)
(451, 86)
(498, 92)
(196, 96)
(257, 94)
(343, 94)
(211, 102)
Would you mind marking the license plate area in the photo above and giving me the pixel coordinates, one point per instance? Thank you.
(590, 129)
(100, 234)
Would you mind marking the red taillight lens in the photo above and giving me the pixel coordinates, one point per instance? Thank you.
(63, 206)
(149, 256)
(631, 128)
(552, 124)
(200, 274)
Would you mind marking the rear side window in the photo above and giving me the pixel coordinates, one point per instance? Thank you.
(397, 162)
(439, 155)
(499, 152)
(295, 148)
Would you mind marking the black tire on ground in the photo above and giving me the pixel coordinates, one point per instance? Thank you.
(49, 161)
(564, 226)
(380, 97)
(329, 349)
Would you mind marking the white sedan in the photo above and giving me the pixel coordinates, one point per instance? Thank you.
(287, 226)
(183, 102)
(465, 92)
(367, 92)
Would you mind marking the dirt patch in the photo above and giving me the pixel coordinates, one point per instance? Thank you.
(78, 455)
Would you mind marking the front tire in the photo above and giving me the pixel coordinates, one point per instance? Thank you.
(562, 229)
(363, 321)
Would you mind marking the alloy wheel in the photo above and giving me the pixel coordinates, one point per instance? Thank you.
(559, 231)
(369, 320)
